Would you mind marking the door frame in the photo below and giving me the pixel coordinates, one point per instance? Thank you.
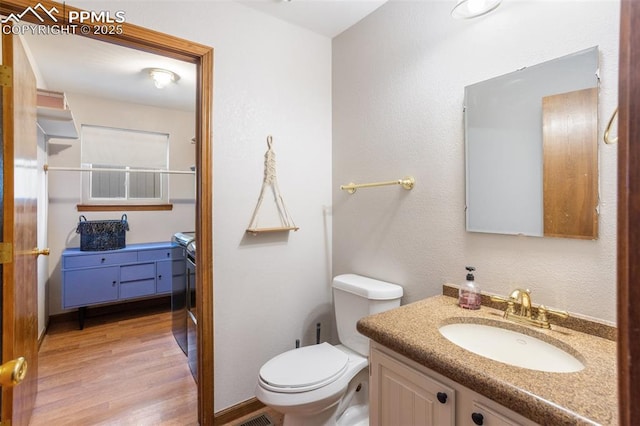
(629, 214)
(147, 40)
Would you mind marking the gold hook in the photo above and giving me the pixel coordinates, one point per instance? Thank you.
(608, 140)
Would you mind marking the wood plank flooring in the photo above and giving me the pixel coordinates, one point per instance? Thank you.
(122, 369)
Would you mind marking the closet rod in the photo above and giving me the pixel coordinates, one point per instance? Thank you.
(48, 168)
(407, 183)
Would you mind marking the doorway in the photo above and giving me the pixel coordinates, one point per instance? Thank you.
(201, 56)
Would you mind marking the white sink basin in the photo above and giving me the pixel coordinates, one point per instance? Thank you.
(511, 347)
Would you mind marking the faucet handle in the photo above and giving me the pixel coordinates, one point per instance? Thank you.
(508, 300)
(499, 299)
(543, 311)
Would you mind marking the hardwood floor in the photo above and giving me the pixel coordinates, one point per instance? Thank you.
(122, 369)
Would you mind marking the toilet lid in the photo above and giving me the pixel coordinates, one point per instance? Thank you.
(304, 369)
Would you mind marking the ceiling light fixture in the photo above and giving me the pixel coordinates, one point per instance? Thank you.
(467, 9)
(161, 78)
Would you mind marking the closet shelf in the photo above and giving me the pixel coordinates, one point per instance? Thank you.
(57, 123)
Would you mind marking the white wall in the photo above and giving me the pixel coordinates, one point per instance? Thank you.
(42, 235)
(42, 241)
(270, 78)
(65, 187)
(398, 86)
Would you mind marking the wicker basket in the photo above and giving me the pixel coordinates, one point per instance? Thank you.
(100, 235)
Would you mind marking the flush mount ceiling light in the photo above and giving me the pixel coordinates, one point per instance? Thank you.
(467, 9)
(161, 78)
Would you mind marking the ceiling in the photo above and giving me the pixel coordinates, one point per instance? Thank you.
(325, 17)
(95, 68)
(83, 65)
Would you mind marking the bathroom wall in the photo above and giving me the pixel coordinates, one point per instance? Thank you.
(65, 187)
(270, 78)
(398, 85)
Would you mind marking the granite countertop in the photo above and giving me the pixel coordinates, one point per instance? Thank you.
(581, 398)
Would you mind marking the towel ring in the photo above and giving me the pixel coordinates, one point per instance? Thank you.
(607, 139)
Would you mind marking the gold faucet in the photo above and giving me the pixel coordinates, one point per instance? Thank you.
(525, 314)
(523, 297)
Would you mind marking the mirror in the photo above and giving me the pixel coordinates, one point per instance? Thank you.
(531, 150)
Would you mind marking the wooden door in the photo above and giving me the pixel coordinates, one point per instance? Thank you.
(570, 164)
(19, 275)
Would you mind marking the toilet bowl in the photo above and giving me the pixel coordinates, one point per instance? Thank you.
(308, 384)
(322, 385)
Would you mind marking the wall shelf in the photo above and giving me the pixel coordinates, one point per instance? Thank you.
(256, 231)
(270, 184)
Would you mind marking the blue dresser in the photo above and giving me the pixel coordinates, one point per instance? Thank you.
(136, 271)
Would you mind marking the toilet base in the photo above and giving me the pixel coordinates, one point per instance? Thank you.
(357, 415)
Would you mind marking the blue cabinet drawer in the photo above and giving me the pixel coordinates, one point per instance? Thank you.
(158, 254)
(132, 289)
(163, 276)
(90, 286)
(140, 271)
(100, 259)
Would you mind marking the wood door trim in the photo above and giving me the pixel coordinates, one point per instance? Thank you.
(629, 214)
(202, 56)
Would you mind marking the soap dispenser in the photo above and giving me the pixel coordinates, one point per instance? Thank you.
(469, 293)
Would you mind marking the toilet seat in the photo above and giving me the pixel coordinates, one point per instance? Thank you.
(304, 369)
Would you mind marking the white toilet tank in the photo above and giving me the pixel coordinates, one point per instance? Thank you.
(355, 297)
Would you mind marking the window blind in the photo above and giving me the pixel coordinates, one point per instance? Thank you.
(122, 147)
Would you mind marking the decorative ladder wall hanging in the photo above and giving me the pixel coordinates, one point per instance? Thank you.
(270, 181)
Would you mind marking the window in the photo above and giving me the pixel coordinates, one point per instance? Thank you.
(126, 164)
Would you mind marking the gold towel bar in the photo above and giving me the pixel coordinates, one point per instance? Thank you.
(407, 183)
(607, 139)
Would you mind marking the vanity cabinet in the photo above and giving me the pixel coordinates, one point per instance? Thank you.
(401, 395)
(136, 271)
(403, 392)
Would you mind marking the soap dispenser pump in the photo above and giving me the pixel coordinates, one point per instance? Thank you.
(469, 293)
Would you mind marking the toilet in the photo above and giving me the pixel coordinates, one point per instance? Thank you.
(323, 384)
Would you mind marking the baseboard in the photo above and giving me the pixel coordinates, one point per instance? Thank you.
(236, 411)
(163, 302)
(44, 333)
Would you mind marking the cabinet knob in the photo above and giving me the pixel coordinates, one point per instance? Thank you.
(103, 260)
(160, 276)
(113, 284)
(442, 397)
(477, 418)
